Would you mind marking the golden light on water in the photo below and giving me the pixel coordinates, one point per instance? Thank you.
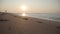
(23, 14)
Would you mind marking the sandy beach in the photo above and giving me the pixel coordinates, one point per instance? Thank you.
(12, 24)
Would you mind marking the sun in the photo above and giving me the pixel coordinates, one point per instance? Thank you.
(24, 7)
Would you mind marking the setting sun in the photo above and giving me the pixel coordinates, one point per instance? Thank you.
(24, 7)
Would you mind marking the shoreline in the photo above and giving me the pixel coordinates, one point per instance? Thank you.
(13, 24)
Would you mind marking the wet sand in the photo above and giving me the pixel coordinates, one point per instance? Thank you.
(12, 24)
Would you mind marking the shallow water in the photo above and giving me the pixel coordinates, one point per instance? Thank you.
(49, 16)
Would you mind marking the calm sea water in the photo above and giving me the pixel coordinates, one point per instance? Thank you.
(48, 16)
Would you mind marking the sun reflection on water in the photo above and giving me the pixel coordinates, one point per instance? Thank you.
(24, 14)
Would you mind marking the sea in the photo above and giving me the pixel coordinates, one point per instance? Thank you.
(46, 16)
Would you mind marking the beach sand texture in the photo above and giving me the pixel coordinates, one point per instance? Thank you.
(12, 24)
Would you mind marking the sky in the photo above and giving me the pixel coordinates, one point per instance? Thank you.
(34, 6)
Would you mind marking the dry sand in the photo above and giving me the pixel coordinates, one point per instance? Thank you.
(12, 24)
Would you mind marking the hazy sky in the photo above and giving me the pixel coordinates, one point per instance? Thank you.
(34, 6)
